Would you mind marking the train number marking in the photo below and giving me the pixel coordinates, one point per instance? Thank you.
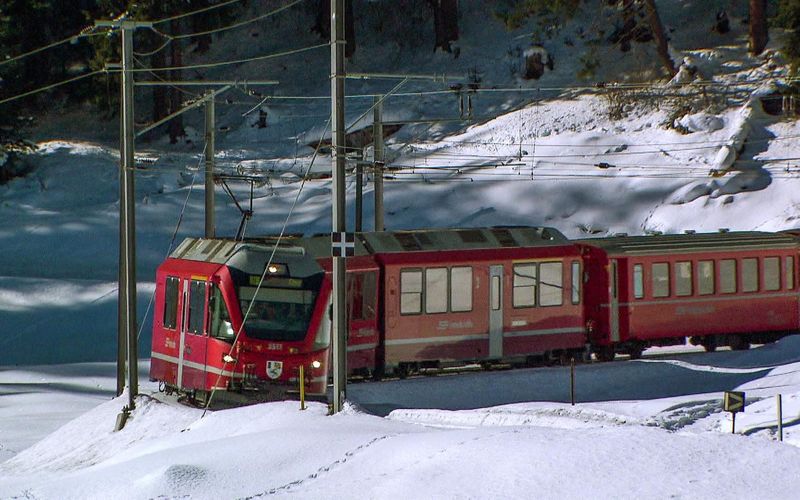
(455, 325)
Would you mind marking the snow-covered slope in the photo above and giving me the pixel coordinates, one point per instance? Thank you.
(675, 447)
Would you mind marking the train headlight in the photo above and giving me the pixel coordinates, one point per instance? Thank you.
(315, 364)
(277, 269)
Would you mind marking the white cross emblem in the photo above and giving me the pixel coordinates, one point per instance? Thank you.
(343, 244)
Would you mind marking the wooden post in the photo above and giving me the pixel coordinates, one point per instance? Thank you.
(572, 380)
(302, 388)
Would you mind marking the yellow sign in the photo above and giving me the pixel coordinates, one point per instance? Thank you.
(733, 401)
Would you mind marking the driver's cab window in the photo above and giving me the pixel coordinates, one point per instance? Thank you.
(221, 326)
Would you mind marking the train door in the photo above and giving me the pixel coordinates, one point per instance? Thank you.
(613, 293)
(495, 311)
(192, 348)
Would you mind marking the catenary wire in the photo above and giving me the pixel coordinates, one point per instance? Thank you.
(82, 34)
(269, 261)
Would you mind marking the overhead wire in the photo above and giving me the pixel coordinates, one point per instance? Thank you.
(239, 24)
(170, 38)
(237, 61)
(173, 86)
(51, 86)
(195, 12)
(83, 34)
(269, 262)
(172, 240)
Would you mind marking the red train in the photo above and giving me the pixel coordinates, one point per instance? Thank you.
(420, 299)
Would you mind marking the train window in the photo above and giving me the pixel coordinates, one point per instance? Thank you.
(369, 294)
(461, 289)
(171, 302)
(197, 301)
(749, 275)
(361, 295)
(705, 277)
(220, 318)
(411, 291)
(789, 270)
(524, 294)
(638, 281)
(727, 276)
(660, 273)
(576, 282)
(276, 313)
(436, 290)
(551, 283)
(683, 279)
(772, 273)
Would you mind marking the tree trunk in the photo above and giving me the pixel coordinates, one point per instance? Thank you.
(201, 23)
(175, 98)
(158, 60)
(660, 37)
(322, 24)
(758, 26)
(445, 23)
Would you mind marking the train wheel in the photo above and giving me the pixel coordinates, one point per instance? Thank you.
(604, 353)
(739, 343)
(635, 350)
(709, 344)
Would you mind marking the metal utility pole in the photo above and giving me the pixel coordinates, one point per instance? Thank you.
(209, 164)
(126, 319)
(338, 194)
(377, 141)
(127, 214)
(360, 192)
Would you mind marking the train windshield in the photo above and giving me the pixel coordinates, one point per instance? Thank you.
(276, 313)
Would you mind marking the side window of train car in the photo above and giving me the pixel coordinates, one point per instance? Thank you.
(683, 279)
(436, 290)
(705, 277)
(789, 270)
(638, 281)
(197, 299)
(750, 275)
(524, 293)
(369, 290)
(171, 302)
(576, 282)
(461, 289)
(727, 276)
(551, 276)
(410, 291)
(660, 273)
(772, 273)
(361, 295)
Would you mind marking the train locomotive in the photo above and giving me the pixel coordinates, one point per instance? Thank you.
(242, 317)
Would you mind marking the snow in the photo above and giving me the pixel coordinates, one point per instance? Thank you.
(584, 160)
(673, 447)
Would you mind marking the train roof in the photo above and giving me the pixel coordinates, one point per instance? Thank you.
(428, 240)
(221, 250)
(693, 242)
